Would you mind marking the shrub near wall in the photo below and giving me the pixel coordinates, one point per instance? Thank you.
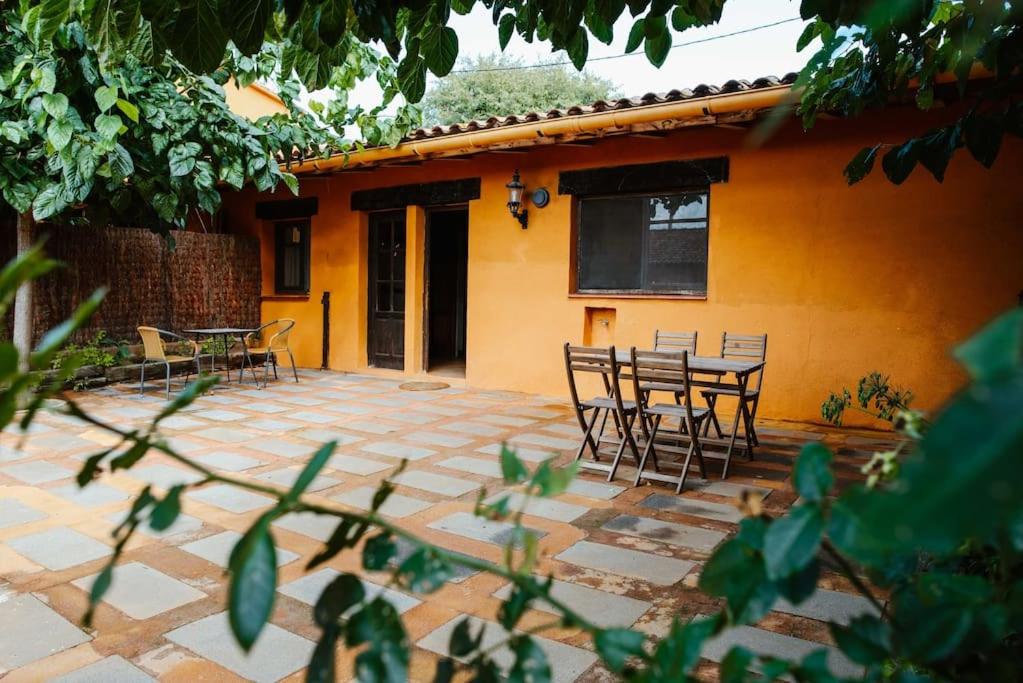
(205, 280)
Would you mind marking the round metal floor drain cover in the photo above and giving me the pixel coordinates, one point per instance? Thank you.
(423, 386)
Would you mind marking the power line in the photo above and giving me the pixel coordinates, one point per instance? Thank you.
(631, 54)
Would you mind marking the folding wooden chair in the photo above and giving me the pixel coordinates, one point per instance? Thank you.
(740, 347)
(600, 361)
(675, 341)
(668, 372)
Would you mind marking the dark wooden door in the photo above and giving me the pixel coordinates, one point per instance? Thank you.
(387, 290)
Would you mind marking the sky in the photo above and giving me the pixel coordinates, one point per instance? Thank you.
(766, 52)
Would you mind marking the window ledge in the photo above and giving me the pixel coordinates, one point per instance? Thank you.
(637, 295)
(284, 297)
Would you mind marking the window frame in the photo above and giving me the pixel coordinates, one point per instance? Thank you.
(576, 257)
(304, 225)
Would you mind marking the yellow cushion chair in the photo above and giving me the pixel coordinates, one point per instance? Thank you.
(156, 352)
(269, 340)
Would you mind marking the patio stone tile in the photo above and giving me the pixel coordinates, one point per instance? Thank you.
(474, 428)
(392, 449)
(286, 477)
(220, 399)
(338, 395)
(527, 454)
(593, 489)
(276, 654)
(484, 468)
(413, 417)
(93, 495)
(182, 422)
(142, 592)
(258, 394)
(541, 507)
(265, 408)
(363, 389)
(219, 415)
(229, 498)
(305, 401)
(224, 435)
(396, 505)
(59, 442)
(10, 454)
(217, 549)
(14, 512)
(23, 618)
(59, 548)
(725, 488)
(322, 436)
(314, 418)
(284, 449)
(405, 549)
(563, 429)
(113, 669)
(607, 610)
(227, 461)
(489, 531)
(446, 411)
(531, 411)
(826, 605)
(37, 472)
(183, 525)
(567, 662)
(773, 644)
(387, 402)
(292, 388)
(356, 465)
(268, 425)
(682, 535)
(435, 483)
(721, 512)
(187, 446)
(308, 588)
(655, 569)
(308, 524)
(438, 439)
(505, 420)
(164, 476)
(131, 413)
(546, 440)
(349, 409)
(372, 427)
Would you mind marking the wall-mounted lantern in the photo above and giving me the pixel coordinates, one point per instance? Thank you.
(515, 189)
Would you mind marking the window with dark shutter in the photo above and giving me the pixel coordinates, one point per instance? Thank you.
(649, 243)
(291, 269)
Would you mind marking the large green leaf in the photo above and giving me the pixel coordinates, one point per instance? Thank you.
(440, 48)
(198, 36)
(791, 542)
(995, 351)
(59, 133)
(253, 567)
(42, 21)
(811, 476)
(616, 645)
(248, 22)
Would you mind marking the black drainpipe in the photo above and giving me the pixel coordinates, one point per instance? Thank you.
(326, 328)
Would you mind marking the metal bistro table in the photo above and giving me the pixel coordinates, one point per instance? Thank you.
(720, 367)
(222, 333)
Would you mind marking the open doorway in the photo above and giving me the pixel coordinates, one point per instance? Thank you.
(447, 258)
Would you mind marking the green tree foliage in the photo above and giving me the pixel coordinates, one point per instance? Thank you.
(872, 54)
(497, 85)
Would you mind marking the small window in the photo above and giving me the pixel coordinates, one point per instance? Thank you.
(640, 244)
(291, 268)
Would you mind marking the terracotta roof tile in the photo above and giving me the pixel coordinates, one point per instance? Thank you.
(648, 99)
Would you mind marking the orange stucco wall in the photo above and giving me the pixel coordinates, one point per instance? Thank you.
(844, 280)
(252, 101)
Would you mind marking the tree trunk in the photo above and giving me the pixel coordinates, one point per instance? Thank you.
(23, 299)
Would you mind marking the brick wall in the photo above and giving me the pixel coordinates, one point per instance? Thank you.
(206, 280)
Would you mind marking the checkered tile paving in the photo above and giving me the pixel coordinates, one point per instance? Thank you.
(631, 555)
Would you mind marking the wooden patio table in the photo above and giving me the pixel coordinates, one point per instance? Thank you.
(224, 333)
(718, 367)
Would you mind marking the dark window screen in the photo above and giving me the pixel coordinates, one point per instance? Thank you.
(291, 269)
(643, 243)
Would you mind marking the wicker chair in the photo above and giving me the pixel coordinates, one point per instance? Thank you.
(269, 340)
(156, 352)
